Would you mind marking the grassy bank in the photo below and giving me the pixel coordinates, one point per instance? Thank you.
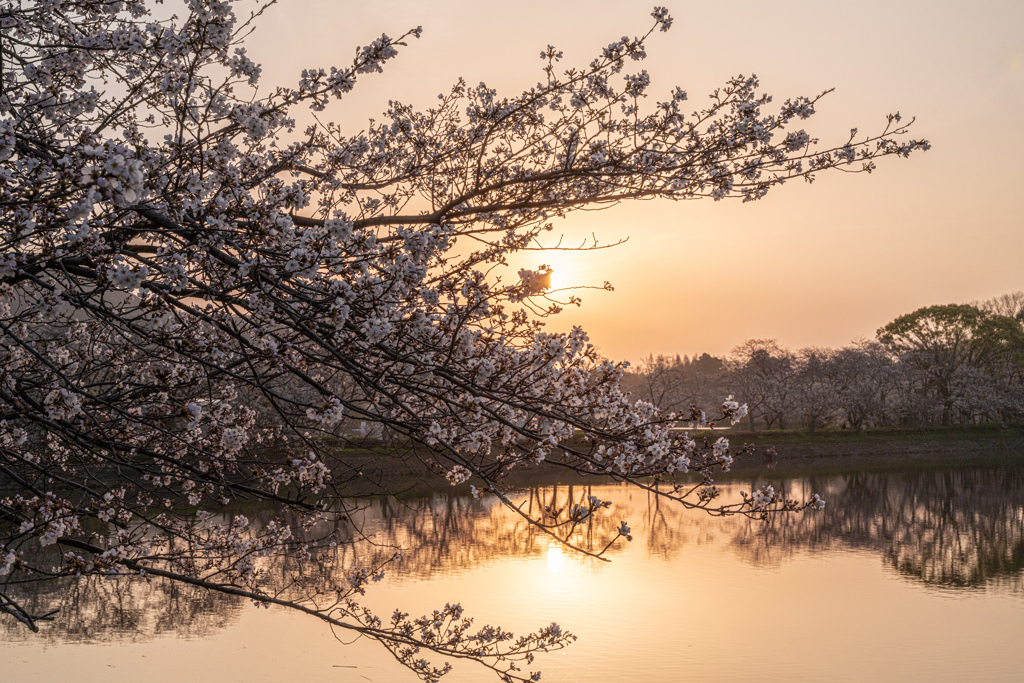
(802, 453)
(875, 436)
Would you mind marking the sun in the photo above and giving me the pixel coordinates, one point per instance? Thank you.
(563, 271)
(563, 275)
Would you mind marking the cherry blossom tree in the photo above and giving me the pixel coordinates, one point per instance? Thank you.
(765, 376)
(870, 385)
(195, 293)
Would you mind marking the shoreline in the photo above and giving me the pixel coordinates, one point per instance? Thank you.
(879, 450)
(800, 454)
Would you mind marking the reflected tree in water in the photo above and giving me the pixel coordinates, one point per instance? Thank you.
(96, 609)
(956, 529)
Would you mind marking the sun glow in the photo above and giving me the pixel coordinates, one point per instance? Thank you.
(564, 272)
(561, 277)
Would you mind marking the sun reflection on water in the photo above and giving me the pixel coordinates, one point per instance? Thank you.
(556, 559)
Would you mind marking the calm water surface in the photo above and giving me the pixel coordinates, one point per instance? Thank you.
(909, 576)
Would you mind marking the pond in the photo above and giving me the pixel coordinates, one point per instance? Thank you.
(904, 576)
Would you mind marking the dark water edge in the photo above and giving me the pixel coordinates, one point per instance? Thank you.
(799, 454)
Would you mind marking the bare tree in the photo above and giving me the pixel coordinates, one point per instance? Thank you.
(1011, 305)
(660, 380)
(676, 384)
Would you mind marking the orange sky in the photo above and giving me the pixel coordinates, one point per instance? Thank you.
(807, 265)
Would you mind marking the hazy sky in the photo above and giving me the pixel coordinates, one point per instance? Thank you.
(807, 265)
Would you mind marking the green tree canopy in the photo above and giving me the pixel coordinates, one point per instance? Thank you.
(948, 343)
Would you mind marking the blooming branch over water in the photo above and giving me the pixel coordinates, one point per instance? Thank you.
(197, 299)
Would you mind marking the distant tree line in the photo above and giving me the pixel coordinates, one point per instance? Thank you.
(957, 364)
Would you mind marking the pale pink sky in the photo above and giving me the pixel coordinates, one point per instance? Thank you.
(807, 265)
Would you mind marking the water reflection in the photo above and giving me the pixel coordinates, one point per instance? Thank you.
(454, 534)
(951, 529)
(955, 529)
(94, 609)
